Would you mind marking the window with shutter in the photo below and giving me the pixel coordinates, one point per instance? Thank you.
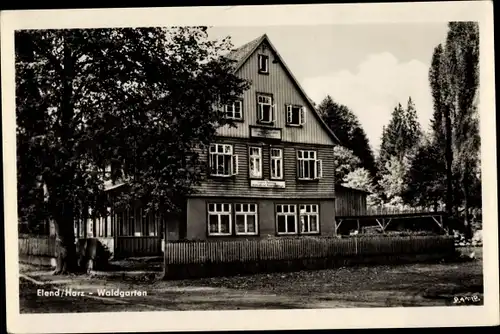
(255, 162)
(265, 109)
(235, 164)
(309, 167)
(276, 163)
(319, 169)
(295, 115)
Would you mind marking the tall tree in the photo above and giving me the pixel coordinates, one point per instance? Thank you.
(454, 80)
(402, 134)
(425, 177)
(392, 139)
(140, 100)
(441, 122)
(462, 54)
(349, 131)
(400, 139)
(413, 130)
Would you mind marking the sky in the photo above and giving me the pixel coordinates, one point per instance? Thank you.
(370, 68)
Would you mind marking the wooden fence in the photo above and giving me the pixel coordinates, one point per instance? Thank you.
(37, 246)
(289, 249)
(137, 246)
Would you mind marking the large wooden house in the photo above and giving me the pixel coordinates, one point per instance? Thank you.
(272, 174)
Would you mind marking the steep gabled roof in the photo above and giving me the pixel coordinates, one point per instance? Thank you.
(241, 55)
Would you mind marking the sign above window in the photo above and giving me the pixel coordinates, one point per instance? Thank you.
(267, 184)
(268, 133)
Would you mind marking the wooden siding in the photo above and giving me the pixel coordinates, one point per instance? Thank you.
(349, 202)
(239, 185)
(280, 85)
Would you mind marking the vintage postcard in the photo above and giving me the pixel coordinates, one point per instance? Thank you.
(250, 167)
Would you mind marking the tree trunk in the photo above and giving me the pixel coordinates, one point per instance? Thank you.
(449, 161)
(65, 249)
(467, 223)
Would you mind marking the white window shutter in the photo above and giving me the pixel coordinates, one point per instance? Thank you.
(319, 169)
(261, 111)
(273, 113)
(299, 170)
(288, 113)
(235, 164)
(302, 115)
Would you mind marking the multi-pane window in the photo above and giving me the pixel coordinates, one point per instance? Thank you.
(255, 161)
(276, 163)
(286, 219)
(219, 219)
(245, 219)
(309, 218)
(222, 160)
(295, 115)
(263, 64)
(234, 110)
(265, 109)
(308, 166)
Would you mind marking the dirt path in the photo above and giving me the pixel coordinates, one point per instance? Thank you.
(374, 286)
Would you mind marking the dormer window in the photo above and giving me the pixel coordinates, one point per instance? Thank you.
(263, 64)
(265, 109)
(234, 110)
(295, 115)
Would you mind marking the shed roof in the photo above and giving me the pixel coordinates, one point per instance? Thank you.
(341, 187)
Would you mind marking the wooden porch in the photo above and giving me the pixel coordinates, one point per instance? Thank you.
(126, 232)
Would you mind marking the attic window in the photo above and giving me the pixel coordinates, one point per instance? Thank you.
(263, 64)
(295, 115)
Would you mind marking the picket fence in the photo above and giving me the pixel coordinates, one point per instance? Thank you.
(286, 249)
(37, 246)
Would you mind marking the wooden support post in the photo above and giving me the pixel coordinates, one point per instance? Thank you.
(108, 213)
(438, 222)
(388, 222)
(380, 224)
(114, 227)
(358, 224)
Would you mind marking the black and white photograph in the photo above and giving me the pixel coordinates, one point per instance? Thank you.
(257, 163)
